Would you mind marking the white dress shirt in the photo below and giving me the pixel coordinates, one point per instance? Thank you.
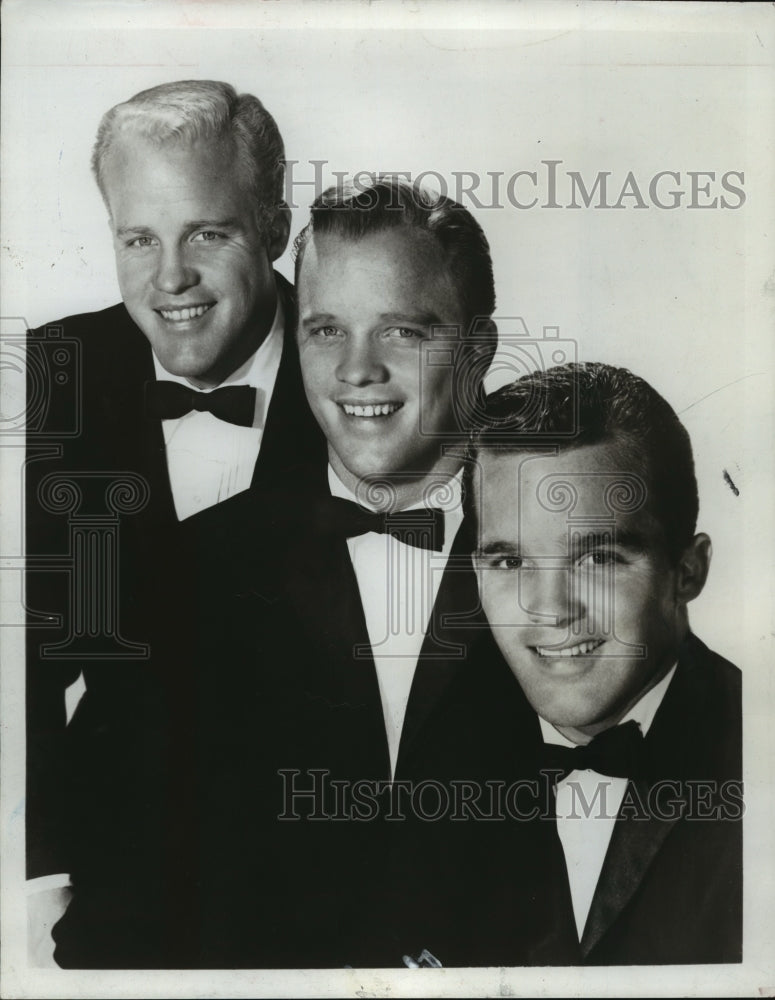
(398, 584)
(587, 805)
(209, 459)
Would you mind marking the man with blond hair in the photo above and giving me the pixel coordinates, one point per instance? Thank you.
(188, 392)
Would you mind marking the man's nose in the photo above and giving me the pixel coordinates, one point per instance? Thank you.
(550, 596)
(174, 273)
(361, 363)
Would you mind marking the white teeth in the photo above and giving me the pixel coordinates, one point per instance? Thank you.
(370, 410)
(189, 312)
(583, 649)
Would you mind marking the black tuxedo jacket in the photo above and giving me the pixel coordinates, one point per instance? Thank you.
(272, 694)
(96, 556)
(670, 891)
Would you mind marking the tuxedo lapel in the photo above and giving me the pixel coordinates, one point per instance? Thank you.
(163, 508)
(291, 435)
(325, 597)
(675, 747)
(130, 439)
(556, 939)
(456, 623)
(313, 585)
(635, 842)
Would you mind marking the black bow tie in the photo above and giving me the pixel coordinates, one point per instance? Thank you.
(617, 752)
(169, 400)
(423, 527)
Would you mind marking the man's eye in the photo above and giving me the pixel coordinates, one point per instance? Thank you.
(207, 236)
(141, 242)
(599, 557)
(404, 333)
(325, 332)
(508, 562)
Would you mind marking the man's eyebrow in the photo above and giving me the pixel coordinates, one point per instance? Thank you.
(498, 548)
(134, 231)
(318, 317)
(399, 318)
(230, 223)
(419, 318)
(634, 540)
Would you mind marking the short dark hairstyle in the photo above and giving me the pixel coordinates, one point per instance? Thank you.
(390, 203)
(187, 110)
(573, 405)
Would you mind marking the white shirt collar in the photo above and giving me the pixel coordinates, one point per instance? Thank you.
(255, 371)
(642, 712)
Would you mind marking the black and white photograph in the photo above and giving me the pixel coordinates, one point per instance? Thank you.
(386, 432)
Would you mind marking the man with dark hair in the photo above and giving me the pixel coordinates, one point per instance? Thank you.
(581, 485)
(186, 393)
(391, 204)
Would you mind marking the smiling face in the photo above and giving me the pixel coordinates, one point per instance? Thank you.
(365, 309)
(582, 599)
(194, 270)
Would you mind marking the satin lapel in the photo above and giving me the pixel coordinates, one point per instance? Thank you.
(542, 873)
(637, 839)
(132, 440)
(291, 434)
(162, 509)
(457, 621)
(635, 842)
(556, 941)
(320, 586)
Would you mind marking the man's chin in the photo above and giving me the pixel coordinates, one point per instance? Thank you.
(194, 371)
(367, 467)
(179, 354)
(585, 719)
(371, 488)
(563, 711)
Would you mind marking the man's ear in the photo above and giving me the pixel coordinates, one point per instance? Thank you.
(280, 232)
(485, 337)
(692, 569)
(480, 347)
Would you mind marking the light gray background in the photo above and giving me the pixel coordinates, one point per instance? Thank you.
(683, 297)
